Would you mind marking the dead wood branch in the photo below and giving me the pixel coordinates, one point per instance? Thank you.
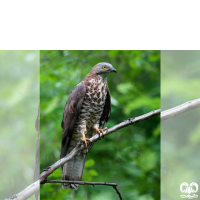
(180, 109)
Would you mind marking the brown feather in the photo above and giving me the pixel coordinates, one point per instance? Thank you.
(70, 114)
(107, 110)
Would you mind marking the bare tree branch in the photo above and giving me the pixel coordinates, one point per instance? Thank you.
(118, 192)
(27, 192)
(33, 188)
(81, 182)
(37, 156)
(80, 146)
(114, 185)
(180, 109)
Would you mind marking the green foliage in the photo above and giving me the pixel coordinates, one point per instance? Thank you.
(129, 157)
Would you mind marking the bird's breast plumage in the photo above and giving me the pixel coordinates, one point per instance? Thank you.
(91, 110)
(94, 101)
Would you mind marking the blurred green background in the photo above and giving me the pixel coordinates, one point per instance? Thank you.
(129, 157)
(19, 98)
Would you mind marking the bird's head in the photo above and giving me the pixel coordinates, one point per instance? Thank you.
(103, 69)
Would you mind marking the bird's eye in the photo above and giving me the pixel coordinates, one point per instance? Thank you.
(104, 67)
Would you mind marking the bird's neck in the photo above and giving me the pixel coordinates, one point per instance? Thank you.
(103, 77)
(90, 76)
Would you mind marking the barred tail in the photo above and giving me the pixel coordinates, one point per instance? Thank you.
(73, 171)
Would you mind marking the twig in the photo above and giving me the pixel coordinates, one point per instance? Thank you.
(180, 109)
(114, 185)
(81, 182)
(118, 192)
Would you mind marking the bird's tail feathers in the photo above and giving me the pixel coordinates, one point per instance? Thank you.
(73, 171)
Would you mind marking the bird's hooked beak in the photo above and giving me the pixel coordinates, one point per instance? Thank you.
(113, 70)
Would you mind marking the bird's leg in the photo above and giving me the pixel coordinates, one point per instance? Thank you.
(84, 139)
(101, 130)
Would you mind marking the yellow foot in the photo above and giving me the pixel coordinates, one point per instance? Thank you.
(101, 130)
(84, 139)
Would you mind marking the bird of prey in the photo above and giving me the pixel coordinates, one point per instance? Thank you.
(86, 111)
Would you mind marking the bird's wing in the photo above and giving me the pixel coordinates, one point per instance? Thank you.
(106, 111)
(70, 114)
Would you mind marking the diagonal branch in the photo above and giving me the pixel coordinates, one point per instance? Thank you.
(31, 189)
(26, 193)
(80, 146)
(180, 109)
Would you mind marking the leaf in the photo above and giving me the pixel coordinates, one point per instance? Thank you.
(93, 172)
(89, 163)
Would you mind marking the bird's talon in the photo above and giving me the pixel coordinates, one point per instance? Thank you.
(84, 139)
(101, 130)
